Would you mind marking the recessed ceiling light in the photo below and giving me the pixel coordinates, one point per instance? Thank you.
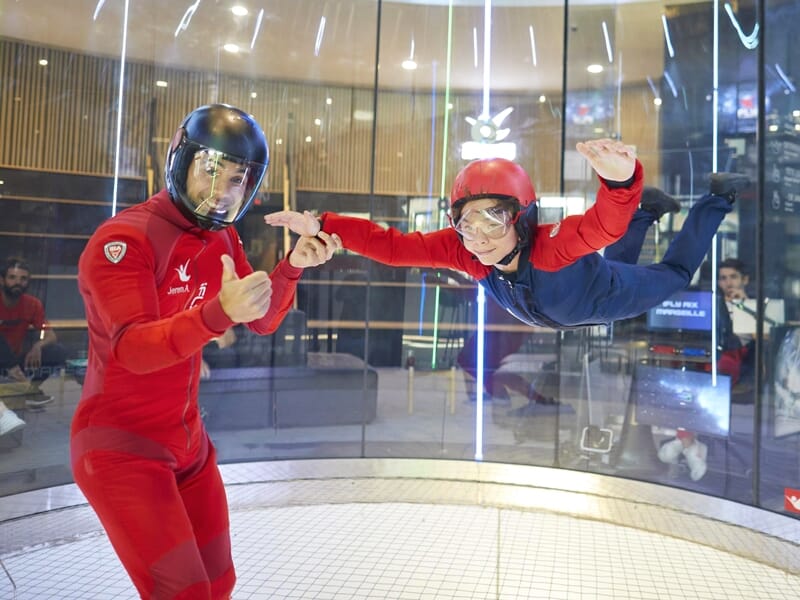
(232, 48)
(317, 122)
(253, 95)
(542, 98)
(161, 83)
(308, 138)
(43, 62)
(595, 68)
(363, 115)
(408, 64)
(328, 100)
(657, 101)
(239, 11)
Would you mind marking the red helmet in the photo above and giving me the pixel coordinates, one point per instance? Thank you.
(492, 177)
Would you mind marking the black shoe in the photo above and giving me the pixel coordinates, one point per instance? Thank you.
(659, 203)
(727, 185)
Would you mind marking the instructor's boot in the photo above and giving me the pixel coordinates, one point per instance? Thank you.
(728, 185)
(658, 203)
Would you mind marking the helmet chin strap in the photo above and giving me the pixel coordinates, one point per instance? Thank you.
(523, 237)
(510, 256)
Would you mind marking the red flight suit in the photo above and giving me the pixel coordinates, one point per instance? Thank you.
(140, 453)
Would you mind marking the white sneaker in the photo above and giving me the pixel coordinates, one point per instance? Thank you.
(39, 401)
(10, 422)
(696, 455)
(671, 451)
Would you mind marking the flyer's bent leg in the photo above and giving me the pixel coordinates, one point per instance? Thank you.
(639, 288)
(629, 246)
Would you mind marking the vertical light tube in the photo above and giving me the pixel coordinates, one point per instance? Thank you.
(436, 305)
(122, 59)
(444, 162)
(487, 60)
(487, 54)
(479, 375)
(448, 67)
(714, 134)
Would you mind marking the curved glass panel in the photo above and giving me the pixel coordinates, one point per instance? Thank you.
(370, 109)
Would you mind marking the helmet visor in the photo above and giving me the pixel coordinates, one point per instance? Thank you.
(219, 186)
(491, 222)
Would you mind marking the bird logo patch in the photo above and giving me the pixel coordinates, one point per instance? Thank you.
(115, 251)
(556, 228)
(181, 271)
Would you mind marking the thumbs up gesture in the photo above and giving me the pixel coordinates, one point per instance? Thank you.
(246, 299)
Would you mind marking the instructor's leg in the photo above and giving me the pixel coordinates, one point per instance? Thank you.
(206, 504)
(137, 499)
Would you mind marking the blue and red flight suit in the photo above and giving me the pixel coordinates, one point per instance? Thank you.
(561, 280)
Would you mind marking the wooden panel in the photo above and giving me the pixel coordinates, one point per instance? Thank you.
(63, 118)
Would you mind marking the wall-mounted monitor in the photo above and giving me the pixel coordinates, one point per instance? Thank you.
(675, 398)
(786, 381)
(683, 311)
(589, 107)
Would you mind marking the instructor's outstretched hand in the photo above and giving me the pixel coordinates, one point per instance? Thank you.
(611, 159)
(313, 251)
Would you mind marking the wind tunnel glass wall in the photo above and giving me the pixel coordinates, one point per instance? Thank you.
(370, 109)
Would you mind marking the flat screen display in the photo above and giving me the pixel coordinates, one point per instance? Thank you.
(786, 381)
(674, 398)
(683, 311)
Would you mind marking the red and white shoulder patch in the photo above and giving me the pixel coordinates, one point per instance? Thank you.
(556, 228)
(115, 251)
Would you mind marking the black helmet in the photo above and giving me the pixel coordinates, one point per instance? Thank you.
(227, 152)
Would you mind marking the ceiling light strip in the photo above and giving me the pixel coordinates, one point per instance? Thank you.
(667, 37)
(257, 28)
(533, 45)
(320, 35)
(609, 52)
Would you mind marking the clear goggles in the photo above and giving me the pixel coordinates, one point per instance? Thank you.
(220, 185)
(490, 222)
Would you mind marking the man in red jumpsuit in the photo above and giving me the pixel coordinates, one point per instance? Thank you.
(159, 281)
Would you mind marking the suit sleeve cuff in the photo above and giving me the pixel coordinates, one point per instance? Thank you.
(286, 270)
(614, 185)
(214, 317)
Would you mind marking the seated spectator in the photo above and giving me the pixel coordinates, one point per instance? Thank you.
(28, 348)
(732, 280)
